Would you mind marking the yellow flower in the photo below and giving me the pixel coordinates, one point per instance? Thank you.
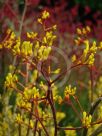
(46, 52)
(84, 31)
(77, 41)
(54, 27)
(88, 29)
(26, 48)
(40, 20)
(49, 38)
(69, 90)
(34, 75)
(16, 47)
(86, 120)
(22, 103)
(45, 15)
(73, 58)
(32, 35)
(36, 48)
(19, 119)
(31, 123)
(11, 80)
(31, 93)
(12, 36)
(59, 99)
(79, 31)
(94, 47)
(91, 60)
(86, 50)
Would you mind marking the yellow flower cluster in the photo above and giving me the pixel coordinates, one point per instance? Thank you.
(22, 103)
(32, 35)
(35, 48)
(74, 58)
(31, 124)
(34, 76)
(86, 120)
(11, 80)
(19, 119)
(16, 47)
(91, 59)
(40, 47)
(26, 48)
(91, 51)
(44, 16)
(49, 38)
(41, 52)
(83, 31)
(69, 91)
(31, 93)
(58, 99)
(90, 48)
(10, 39)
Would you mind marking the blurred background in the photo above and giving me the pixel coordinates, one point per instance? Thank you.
(67, 14)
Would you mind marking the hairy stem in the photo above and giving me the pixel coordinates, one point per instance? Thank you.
(50, 100)
(76, 99)
(22, 19)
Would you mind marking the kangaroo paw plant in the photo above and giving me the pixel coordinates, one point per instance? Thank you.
(39, 106)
